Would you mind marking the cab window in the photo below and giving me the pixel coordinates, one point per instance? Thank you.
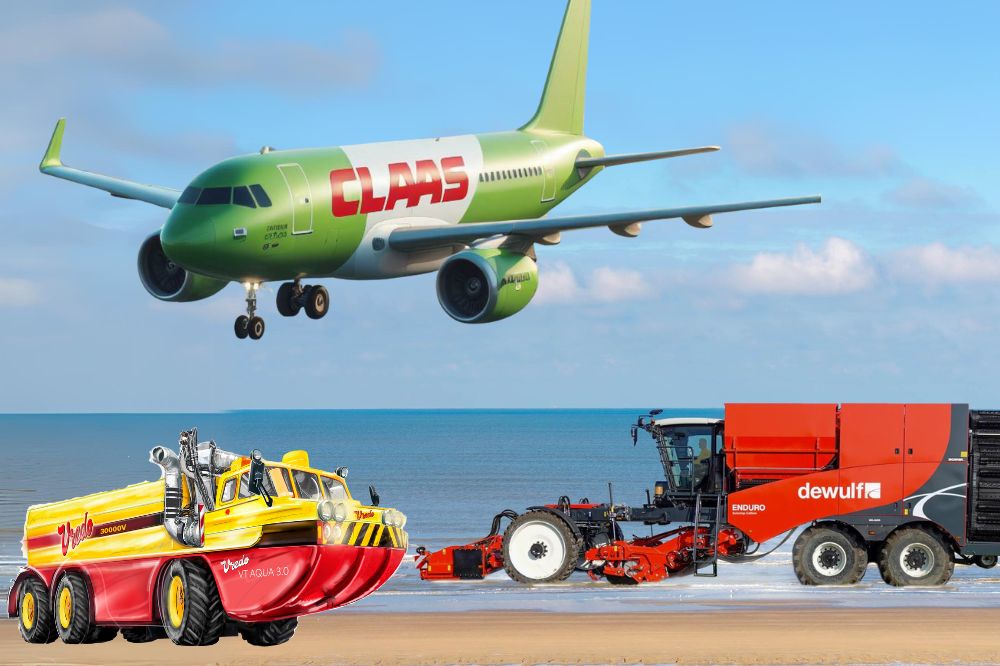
(281, 484)
(215, 195)
(241, 197)
(245, 486)
(334, 488)
(229, 490)
(307, 485)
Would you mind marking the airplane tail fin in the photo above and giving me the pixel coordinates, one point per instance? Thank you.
(561, 107)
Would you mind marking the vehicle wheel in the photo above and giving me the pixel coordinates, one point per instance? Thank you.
(73, 609)
(242, 322)
(190, 608)
(288, 305)
(143, 634)
(621, 580)
(915, 556)
(317, 302)
(34, 609)
(255, 328)
(539, 547)
(985, 561)
(102, 635)
(266, 634)
(828, 555)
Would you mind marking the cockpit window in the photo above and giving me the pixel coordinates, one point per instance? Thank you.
(215, 195)
(189, 195)
(262, 199)
(241, 197)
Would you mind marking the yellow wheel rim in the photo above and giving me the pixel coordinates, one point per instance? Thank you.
(28, 611)
(175, 601)
(65, 607)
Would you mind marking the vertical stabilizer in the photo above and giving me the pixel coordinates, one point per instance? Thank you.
(561, 108)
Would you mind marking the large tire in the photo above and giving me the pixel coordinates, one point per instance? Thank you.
(190, 608)
(102, 635)
(288, 305)
(143, 634)
(826, 554)
(317, 302)
(915, 556)
(266, 634)
(540, 547)
(72, 611)
(36, 623)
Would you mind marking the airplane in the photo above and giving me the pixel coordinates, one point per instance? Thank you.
(469, 207)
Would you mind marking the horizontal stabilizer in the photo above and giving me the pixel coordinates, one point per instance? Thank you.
(52, 165)
(629, 158)
(422, 238)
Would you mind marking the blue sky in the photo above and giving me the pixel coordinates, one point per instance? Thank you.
(886, 292)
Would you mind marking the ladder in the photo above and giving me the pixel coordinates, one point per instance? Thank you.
(706, 567)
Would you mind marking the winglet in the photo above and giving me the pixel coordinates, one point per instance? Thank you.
(51, 158)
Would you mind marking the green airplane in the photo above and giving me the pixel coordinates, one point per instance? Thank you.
(469, 207)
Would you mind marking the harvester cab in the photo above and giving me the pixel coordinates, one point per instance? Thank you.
(691, 454)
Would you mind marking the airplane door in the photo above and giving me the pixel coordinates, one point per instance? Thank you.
(301, 197)
(548, 170)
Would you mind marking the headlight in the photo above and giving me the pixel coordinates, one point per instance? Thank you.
(325, 510)
(340, 512)
(402, 520)
(389, 517)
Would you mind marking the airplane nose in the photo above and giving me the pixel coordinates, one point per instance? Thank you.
(186, 239)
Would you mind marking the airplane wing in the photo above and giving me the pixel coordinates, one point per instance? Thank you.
(117, 187)
(546, 230)
(631, 158)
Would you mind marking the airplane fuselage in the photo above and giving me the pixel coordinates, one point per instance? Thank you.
(331, 209)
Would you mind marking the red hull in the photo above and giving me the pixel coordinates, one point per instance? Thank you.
(255, 584)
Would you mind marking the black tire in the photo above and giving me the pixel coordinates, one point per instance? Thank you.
(240, 326)
(288, 304)
(827, 554)
(102, 635)
(531, 538)
(195, 617)
(72, 609)
(266, 634)
(915, 556)
(143, 634)
(985, 561)
(255, 328)
(36, 623)
(317, 302)
(621, 580)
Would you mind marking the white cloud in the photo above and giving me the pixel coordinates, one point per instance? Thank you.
(937, 263)
(558, 284)
(17, 292)
(838, 267)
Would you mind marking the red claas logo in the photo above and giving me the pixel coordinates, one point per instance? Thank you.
(442, 182)
(859, 490)
(72, 536)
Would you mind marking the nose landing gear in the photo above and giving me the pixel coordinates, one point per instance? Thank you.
(250, 325)
(293, 297)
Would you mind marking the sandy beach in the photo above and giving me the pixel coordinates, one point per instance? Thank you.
(758, 635)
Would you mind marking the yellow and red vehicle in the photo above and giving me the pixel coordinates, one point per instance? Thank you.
(222, 544)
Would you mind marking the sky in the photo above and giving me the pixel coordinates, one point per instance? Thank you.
(886, 292)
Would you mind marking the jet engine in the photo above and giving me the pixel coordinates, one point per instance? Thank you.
(167, 281)
(480, 286)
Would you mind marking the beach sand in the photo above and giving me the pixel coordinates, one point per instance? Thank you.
(757, 635)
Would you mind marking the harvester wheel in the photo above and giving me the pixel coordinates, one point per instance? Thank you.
(143, 634)
(102, 635)
(266, 634)
(73, 609)
(915, 556)
(34, 609)
(540, 547)
(190, 607)
(828, 555)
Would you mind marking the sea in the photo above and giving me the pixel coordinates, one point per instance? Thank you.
(450, 472)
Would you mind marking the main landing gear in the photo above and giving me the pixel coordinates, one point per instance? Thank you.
(293, 297)
(250, 325)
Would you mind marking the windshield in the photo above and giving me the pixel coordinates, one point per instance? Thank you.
(685, 452)
(334, 488)
(250, 196)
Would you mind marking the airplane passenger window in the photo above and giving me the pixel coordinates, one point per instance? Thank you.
(241, 197)
(261, 196)
(211, 196)
(189, 195)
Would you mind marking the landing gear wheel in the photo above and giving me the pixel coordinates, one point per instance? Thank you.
(255, 328)
(266, 634)
(985, 561)
(828, 555)
(241, 326)
(190, 607)
(317, 302)
(73, 620)
(34, 610)
(143, 634)
(288, 300)
(915, 556)
(539, 547)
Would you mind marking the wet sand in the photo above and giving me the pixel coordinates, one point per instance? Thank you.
(761, 635)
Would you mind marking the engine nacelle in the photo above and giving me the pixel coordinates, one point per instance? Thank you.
(480, 286)
(167, 281)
